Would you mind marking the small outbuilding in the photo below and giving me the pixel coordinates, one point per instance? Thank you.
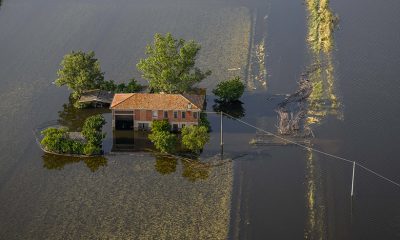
(97, 98)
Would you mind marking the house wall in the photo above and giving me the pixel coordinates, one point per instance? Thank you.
(146, 116)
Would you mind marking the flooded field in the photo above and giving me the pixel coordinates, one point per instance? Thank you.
(257, 191)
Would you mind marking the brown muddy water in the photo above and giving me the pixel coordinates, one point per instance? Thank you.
(264, 192)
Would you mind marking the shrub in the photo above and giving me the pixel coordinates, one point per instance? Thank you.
(160, 126)
(54, 139)
(132, 87)
(164, 141)
(230, 90)
(195, 137)
(57, 139)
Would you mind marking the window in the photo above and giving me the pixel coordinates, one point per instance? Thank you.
(183, 114)
(175, 114)
(183, 125)
(165, 114)
(175, 127)
(155, 114)
(195, 115)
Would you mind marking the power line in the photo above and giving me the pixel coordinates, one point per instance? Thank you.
(310, 148)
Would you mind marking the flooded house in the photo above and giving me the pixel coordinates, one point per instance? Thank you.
(136, 111)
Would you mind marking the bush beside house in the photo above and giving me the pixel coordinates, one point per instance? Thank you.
(58, 140)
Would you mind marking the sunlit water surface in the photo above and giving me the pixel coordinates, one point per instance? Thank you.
(263, 192)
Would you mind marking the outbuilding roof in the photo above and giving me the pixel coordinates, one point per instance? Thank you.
(158, 101)
(96, 95)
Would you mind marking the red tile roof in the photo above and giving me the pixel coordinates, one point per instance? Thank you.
(157, 101)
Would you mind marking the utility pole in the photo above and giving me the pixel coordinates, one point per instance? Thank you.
(222, 136)
(352, 180)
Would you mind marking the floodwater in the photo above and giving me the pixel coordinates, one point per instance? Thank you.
(255, 192)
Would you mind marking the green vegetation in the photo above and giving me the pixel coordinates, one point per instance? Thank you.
(170, 65)
(92, 131)
(160, 126)
(132, 87)
(230, 90)
(322, 23)
(161, 137)
(195, 137)
(57, 140)
(203, 121)
(80, 71)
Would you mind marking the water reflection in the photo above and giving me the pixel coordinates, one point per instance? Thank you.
(235, 109)
(73, 118)
(195, 170)
(131, 141)
(165, 164)
(316, 226)
(323, 101)
(192, 170)
(56, 162)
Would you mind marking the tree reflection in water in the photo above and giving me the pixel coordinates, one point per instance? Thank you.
(56, 162)
(73, 118)
(165, 164)
(194, 170)
(235, 109)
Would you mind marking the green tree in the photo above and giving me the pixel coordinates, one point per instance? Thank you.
(80, 71)
(204, 121)
(230, 90)
(164, 141)
(160, 126)
(92, 131)
(132, 87)
(161, 137)
(195, 137)
(170, 65)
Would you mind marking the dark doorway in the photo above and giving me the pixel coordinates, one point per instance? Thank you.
(123, 122)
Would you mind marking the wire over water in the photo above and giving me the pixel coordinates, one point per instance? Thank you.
(310, 148)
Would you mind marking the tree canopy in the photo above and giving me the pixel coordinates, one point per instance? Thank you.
(230, 90)
(170, 64)
(92, 131)
(195, 137)
(161, 137)
(80, 71)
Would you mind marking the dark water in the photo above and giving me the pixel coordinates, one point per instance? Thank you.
(265, 192)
